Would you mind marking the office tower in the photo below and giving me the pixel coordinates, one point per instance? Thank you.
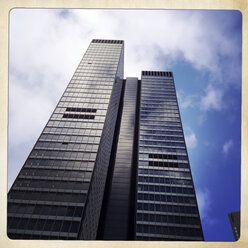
(111, 163)
(69, 162)
(166, 202)
(234, 219)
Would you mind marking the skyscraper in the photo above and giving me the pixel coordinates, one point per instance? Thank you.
(111, 163)
(234, 218)
(166, 202)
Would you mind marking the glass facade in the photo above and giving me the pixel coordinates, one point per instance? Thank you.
(166, 201)
(119, 198)
(111, 163)
(65, 173)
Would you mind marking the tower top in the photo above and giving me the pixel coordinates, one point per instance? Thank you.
(157, 73)
(107, 41)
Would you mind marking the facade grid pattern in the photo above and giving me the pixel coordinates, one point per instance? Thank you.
(47, 201)
(166, 202)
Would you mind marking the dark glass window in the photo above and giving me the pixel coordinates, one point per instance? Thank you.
(57, 226)
(40, 224)
(70, 211)
(74, 227)
(65, 226)
(78, 212)
(31, 224)
(48, 225)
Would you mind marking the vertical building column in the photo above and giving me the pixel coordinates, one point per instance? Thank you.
(118, 213)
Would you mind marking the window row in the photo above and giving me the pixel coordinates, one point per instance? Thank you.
(104, 81)
(161, 149)
(159, 100)
(64, 154)
(158, 106)
(79, 84)
(49, 210)
(185, 220)
(144, 132)
(158, 93)
(161, 143)
(166, 208)
(63, 110)
(68, 138)
(49, 184)
(162, 118)
(97, 77)
(76, 167)
(144, 123)
(162, 128)
(47, 196)
(85, 100)
(97, 69)
(158, 88)
(90, 125)
(79, 116)
(155, 137)
(55, 173)
(43, 225)
(163, 230)
(160, 109)
(163, 164)
(99, 106)
(165, 189)
(163, 180)
(159, 113)
(165, 98)
(167, 156)
(162, 173)
(87, 90)
(91, 59)
(87, 95)
(102, 54)
(165, 198)
(63, 164)
(75, 131)
(103, 50)
(66, 146)
(75, 124)
(162, 80)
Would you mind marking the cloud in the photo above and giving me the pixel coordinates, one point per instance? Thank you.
(213, 99)
(187, 100)
(191, 141)
(227, 146)
(204, 201)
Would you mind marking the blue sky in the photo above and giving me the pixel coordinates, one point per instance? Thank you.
(202, 48)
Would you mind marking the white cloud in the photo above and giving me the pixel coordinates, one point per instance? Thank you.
(186, 100)
(204, 202)
(191, 141)
(227, 146)
(213, 99)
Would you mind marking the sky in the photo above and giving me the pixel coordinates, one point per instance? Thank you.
(201, 48)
